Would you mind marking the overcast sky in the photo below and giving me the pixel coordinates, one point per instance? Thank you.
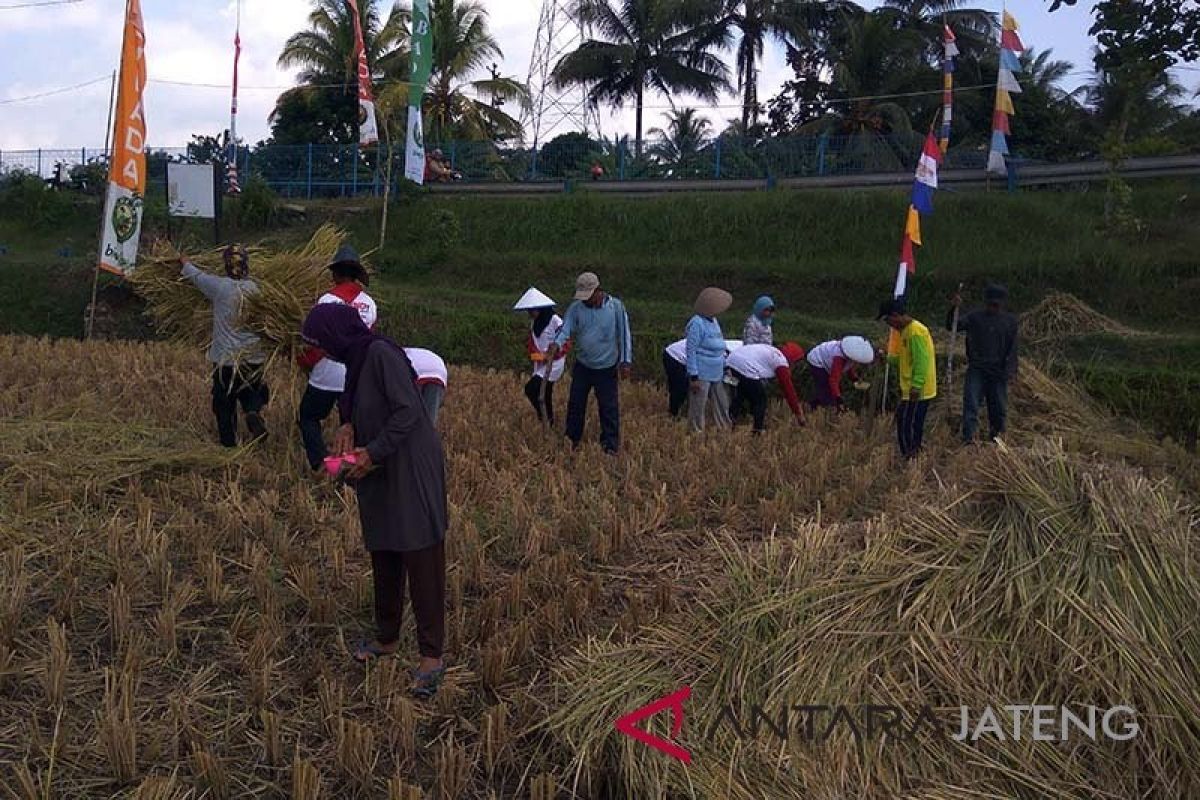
(46, 48)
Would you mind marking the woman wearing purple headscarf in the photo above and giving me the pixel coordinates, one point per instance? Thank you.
(400, 479)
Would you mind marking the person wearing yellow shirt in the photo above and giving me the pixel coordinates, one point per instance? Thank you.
(915, 362)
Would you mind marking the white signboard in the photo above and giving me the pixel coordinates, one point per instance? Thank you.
(191, 191)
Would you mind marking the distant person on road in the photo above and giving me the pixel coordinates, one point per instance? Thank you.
(432, 379)
(597, 171)
(235, 353)
(544, 325)
(828, 361)
(437, 169)
(753, 365)
(705, 355)
(757, 329)
(599, 326)
(399, 475)
(992, 340)
(327, 378)
(916, 362)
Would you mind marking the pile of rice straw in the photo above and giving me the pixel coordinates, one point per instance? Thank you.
(1060, 315)
(289, 282)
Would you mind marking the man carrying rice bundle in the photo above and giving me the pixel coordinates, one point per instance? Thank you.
(328, 377)
(235, 353)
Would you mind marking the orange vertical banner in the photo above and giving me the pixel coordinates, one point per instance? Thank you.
(127, 169)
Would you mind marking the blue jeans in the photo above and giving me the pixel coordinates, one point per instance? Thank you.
(604, 381)
(977, 387)
(910, 426)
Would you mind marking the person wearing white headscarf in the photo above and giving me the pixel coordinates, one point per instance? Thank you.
(828, 361)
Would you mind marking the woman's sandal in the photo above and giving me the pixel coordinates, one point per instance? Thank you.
(369, 651)
(425, 684)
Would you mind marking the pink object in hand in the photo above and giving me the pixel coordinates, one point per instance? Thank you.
(333, 464)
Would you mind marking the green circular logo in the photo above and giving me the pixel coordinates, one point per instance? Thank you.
(124, 219)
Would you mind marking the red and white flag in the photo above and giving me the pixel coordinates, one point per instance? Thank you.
(368, 131)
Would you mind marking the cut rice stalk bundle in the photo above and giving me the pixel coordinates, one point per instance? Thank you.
(289, 282)
(1061, 315)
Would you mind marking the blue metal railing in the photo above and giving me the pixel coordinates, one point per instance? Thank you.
(312, 170)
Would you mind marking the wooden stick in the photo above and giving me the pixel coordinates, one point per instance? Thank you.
(112, 98)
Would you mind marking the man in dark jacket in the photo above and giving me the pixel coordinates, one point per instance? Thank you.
(991, 359)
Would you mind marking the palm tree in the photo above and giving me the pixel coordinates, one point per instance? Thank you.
(325, 53)
(785, 21)
(322, 107)
(683, 140)
(1040, 71)
(456, 105)
(871, 59)
(975, 28)
(664, 46)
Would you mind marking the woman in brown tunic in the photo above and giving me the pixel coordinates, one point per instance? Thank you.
(400, 479)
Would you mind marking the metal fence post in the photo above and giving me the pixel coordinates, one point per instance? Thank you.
(454, 154)
(39, 169)
(354, 174)
(533, 164)
(308, 183)
(822, 144)
(717, 164)
(620, 161)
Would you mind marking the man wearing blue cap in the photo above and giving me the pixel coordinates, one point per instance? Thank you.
(991, 360)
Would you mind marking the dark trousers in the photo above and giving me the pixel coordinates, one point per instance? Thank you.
(822, 395)
(979, 386)
(536, 390)
(234, 385)
(425, 573)
(910, 426)
(678, 384)
(753, 393)
(315, 406)
(604, 381)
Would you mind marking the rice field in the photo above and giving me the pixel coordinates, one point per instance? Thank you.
(175, 620)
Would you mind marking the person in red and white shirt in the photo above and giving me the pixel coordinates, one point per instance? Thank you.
(828, 361)
(432, 378)
(327, 378)
(544, 325)
(752, 366)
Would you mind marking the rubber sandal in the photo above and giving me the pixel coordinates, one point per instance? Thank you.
(367, 651)
(425, 684)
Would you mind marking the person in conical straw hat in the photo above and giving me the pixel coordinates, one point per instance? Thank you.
(544, 325)
(829, 361)
(705, 356)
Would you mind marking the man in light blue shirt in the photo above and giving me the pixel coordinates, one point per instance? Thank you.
(599, 325)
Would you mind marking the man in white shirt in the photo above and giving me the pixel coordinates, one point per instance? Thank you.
(328, 377)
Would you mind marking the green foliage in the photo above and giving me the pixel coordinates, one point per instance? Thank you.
(445, 232)
(26, 197)
(568, 155)
(257, 206)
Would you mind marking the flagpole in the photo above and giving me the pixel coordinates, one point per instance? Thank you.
(110, 135)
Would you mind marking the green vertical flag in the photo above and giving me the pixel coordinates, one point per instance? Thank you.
(422, 66)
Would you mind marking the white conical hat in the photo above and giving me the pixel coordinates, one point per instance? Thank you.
(533, 299)
(856, 348)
